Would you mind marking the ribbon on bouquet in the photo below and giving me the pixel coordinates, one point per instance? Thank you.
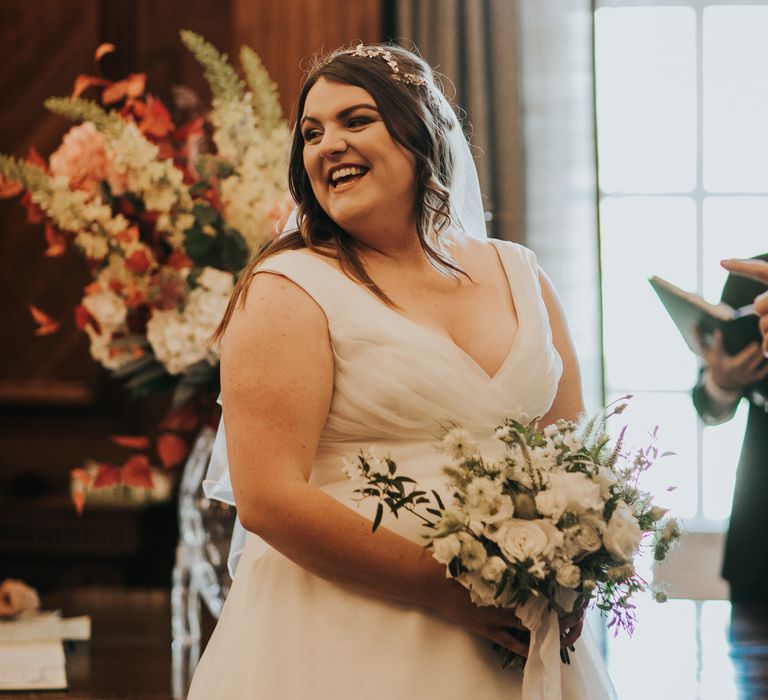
(541, 677)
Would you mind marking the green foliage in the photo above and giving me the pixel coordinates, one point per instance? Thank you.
(77, 109)
(224, 82)
(32, 177)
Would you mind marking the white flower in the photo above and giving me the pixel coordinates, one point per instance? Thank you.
(671, 531)
(485, 501)
(473, 554)
(623, 533)
(217, 281)
(581, 540)
(107, 308)
(446, 549)
(567, 574)
(352, 468)
(573, 442)
(527, 539)
(452, 520)
(481, 592)
(458, 444)
(568, 491)
(493, 569)
(606, 479)
(377, 465)
(544, 457)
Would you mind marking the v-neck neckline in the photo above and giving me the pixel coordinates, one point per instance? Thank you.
(445, 338)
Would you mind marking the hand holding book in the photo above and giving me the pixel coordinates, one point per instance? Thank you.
(756, 270)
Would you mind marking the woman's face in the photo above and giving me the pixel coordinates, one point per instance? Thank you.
(359, 174)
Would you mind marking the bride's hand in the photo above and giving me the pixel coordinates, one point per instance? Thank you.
(499, 624)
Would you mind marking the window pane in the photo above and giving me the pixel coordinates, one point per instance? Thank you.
(735, 99)
(721, 448)
(641, 237)
(718, 677)
(676, 418)
(734, 227)
(645, 65)
(660, 654)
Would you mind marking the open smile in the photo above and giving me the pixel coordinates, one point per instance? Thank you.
(343, 177)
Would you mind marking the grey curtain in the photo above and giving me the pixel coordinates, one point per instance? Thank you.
(523, 71)
(473, 43)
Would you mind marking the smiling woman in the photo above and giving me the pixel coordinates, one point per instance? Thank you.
(377, 320)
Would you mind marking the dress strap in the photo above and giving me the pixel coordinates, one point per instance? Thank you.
(328, 286)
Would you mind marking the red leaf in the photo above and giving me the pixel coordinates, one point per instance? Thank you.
(103, 49)
(134, 442)
(138, 262)
(46, 324)
(83, 82)
(57, 241)
(156, 120)
(130, 235)
(136, 472)
(82, 317)
(107, 476)
(178, 261)
(183, 419)
(171, 449)
(132, 86)
(80, 476)
(9, 188)
(35, 158)
(78, 498)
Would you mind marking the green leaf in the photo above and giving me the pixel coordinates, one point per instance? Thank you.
(379, 515)
(198, 245)
(438, 499)
(234, 251)
(205, 214)
(199, 187)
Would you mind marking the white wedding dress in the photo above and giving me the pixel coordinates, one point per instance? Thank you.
(285, 634)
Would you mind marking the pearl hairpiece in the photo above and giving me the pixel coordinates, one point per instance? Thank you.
(376, 51)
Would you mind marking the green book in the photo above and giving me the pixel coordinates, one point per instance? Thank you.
(695, 317)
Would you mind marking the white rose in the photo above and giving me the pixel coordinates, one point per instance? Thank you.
(568, 575)
(605, 478)
(445, 549)
(493, 569)
(582, 539)
(623, 533)
(527, 539)
(568, 491)
(473, 554)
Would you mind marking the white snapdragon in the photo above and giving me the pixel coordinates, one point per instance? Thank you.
(622, 534)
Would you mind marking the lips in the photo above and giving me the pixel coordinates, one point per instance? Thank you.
(343, 175)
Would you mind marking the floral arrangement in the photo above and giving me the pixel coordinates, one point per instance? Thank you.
(557, 518)
(166, 214)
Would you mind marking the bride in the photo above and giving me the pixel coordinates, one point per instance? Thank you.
(386, 313)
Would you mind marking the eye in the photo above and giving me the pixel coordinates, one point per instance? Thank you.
(358, 121)
(310, 135)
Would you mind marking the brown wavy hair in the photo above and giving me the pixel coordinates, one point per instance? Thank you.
(412, 115)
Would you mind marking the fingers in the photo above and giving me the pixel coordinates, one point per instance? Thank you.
(572, 635)
(571, 620)
(16, 596)
(509, 641)
(754, 269)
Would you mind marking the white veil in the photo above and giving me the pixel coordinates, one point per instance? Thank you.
(467, 218)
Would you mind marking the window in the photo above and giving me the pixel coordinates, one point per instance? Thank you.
(682, 134)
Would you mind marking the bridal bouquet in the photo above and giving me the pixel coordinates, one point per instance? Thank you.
(166, 214)
(558, 517)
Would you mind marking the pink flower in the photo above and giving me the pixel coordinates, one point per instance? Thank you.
(82, 159)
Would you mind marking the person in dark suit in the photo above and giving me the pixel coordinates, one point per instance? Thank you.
(724, 380)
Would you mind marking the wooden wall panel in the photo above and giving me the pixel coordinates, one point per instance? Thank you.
(286, 34)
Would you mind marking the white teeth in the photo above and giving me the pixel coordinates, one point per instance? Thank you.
(345, 172)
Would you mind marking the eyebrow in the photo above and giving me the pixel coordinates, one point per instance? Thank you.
(344, 112)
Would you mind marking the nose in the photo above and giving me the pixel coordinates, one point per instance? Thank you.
(332, 144)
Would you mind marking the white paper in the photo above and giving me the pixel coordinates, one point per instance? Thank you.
(32, 665)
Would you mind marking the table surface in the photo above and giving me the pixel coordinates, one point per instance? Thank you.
(695, 650)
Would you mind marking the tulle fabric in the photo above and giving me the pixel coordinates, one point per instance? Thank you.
(285, 633)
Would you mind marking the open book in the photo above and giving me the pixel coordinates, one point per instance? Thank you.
(696, 318)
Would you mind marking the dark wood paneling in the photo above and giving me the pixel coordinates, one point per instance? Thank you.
(286, 34)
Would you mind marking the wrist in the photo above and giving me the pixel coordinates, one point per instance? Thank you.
(720, 394)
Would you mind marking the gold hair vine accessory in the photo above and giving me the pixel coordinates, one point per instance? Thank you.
(410, 78)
